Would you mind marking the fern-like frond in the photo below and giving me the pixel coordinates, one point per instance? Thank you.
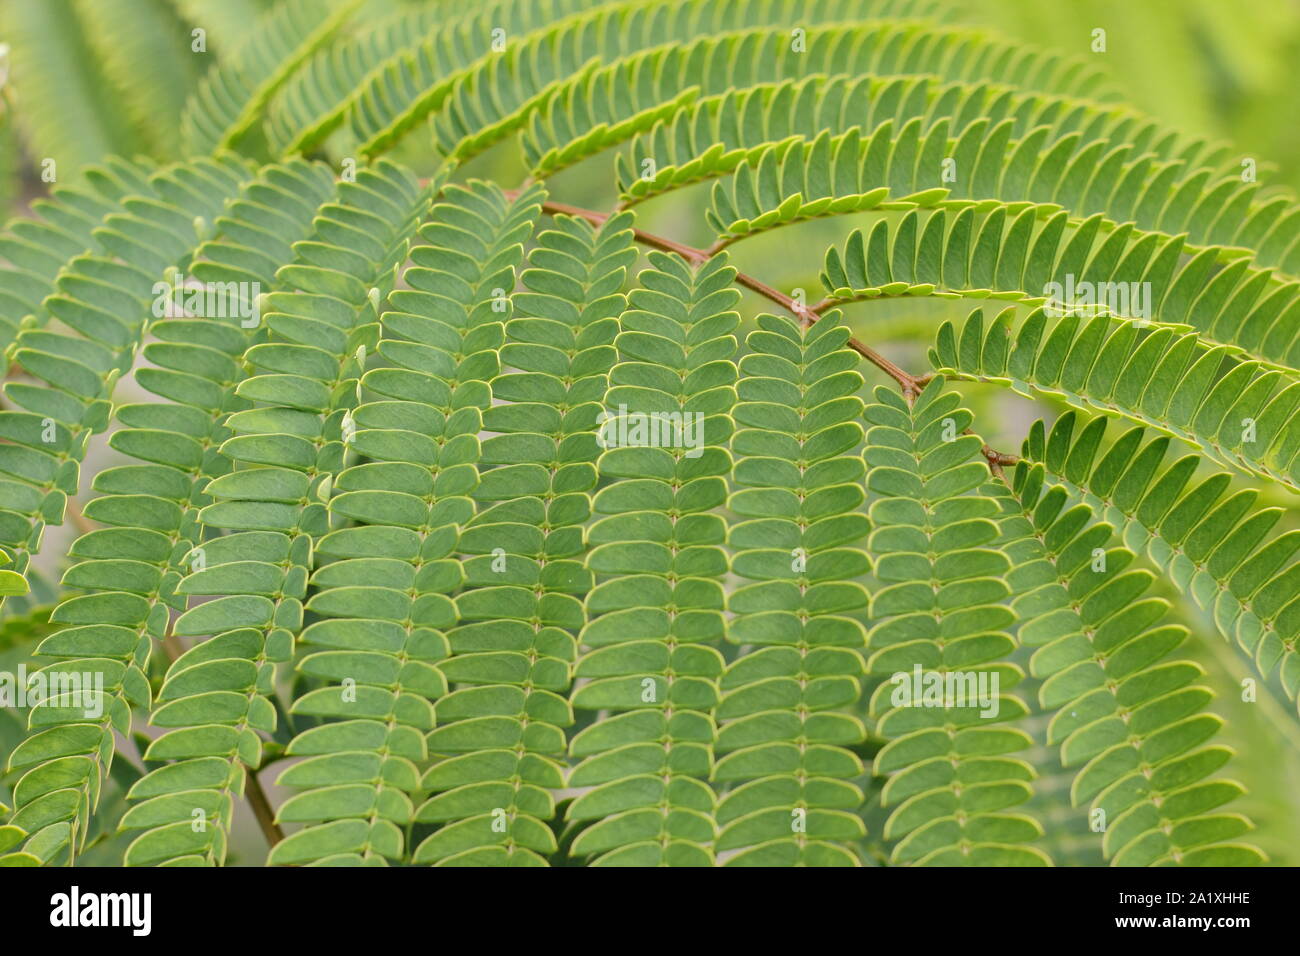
(500, 95)
(524, 578)
(941, 640)
(655, 615)
(316, 100)
(713, 135)
(101, 300)
(203, 730)
(1132, 720)
(35, 248)
(285, 449)
(784, 740)
(1213, 542)
(134, 563)
(1084, 168)
(504, 556)
(230, 99)
(1023, 252)
(487, 784)
(493, 96)
(418, 427)
(402, 91)
(606, 105)
(1238, 413)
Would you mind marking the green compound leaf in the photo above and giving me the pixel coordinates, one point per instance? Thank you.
(1215, 544)
(941, 641)
(784, 735)
(1127, 716)
(655, 614)
(491, 542)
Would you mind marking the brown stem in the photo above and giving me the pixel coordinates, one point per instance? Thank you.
(911, 385)
(79, 520)
(262, 809)
(172, 645)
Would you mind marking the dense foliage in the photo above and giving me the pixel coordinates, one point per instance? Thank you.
(492, 530)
